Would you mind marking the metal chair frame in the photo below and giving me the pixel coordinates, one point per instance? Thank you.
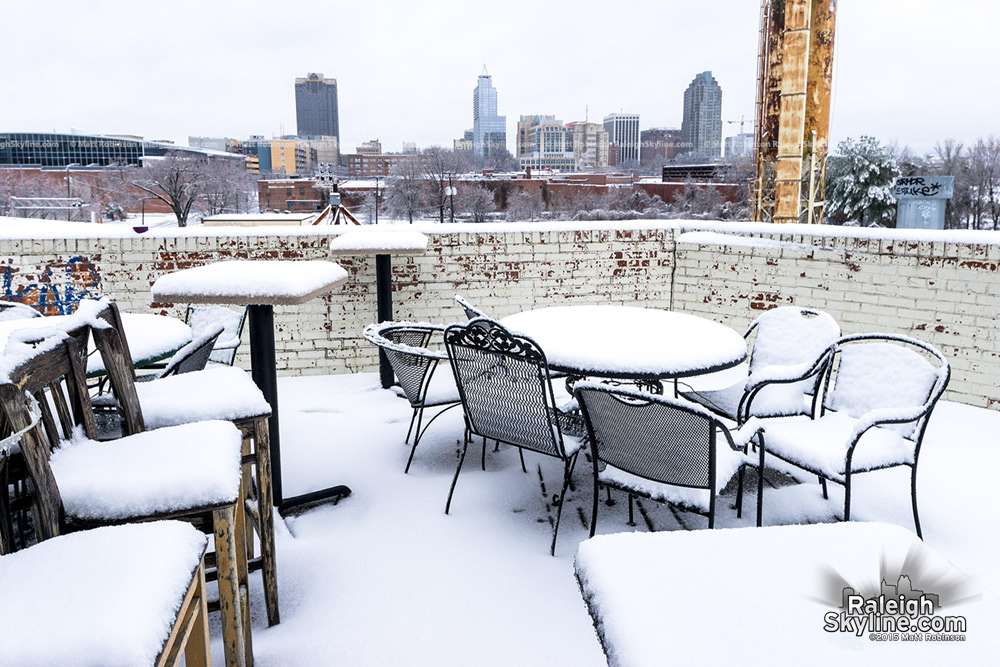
(238, 333)
(483, 352)
(919, 418)
(471, 312)
(405, 346)
(617, 426)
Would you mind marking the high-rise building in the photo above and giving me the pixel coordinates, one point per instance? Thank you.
(489, 130)
(589, 144)
(316, 112)
(623, 136)
(702, 124)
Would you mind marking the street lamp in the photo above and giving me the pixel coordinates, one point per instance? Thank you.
(376, 200)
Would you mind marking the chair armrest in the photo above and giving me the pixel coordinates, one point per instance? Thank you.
(786, 373)
(881, 416)
(740, 439)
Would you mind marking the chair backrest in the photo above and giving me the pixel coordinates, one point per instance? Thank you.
(658, 438)
(886, 372)
(470, 311)
(203, 318)
(11, 310)
(405, 346)
(193, 356)
(44, 397)
(787, 336)
(503, 380)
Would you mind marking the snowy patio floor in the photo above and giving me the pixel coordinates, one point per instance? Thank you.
(386, 578)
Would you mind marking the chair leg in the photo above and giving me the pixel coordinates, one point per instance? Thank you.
(562, 501)
(739, 492)
(847, 496)
(265, 517)
(483, 463)
(233, 640)
(631, 516)
(593, 514)
(822, 482)
(197, 649)
(760, 487)
(243, 573)
(520, 452)
(413, 419)
(454, 481)
(913, 498)
(250, 495)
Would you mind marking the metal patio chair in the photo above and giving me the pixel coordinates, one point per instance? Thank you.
(471, 312)
(405, 346)
(203, 318)
(12, 310)
(789, 350)
(878, 396)
(506, 391)
(666, 449)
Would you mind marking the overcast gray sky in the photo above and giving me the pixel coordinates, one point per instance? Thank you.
(912, 70)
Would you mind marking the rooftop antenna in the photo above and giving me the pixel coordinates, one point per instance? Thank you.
(586, 114)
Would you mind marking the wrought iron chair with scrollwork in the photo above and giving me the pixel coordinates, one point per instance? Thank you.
(506, 392)
(405, 346)
(471, 311)
(663, 448)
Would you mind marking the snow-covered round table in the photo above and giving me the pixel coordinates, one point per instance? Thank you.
(261, 285)
(629, 343)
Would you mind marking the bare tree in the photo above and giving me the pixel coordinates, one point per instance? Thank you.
(984, 173)
(176, 181)
(227, 187)
(405, 187)
(952, 161)
(524, 206)
(476, 200)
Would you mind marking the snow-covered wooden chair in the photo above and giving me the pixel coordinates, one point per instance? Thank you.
(218, 392)
(117, 595)
(507, 395)
(405, 345)
(190, 471)
(666, 449)
(790, 347)
(878, 396)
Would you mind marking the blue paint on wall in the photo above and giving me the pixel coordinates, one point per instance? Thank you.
(60, 288)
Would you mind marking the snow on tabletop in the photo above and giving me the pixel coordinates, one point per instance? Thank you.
(167, 470)
(221, 392)
(374, 241)
(278, 282)
(697, 597)
(620, 339)
(105, 597)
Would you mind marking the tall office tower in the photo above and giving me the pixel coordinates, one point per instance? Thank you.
(316, 112)
(702, 124)
(488, 129)
(623, 136)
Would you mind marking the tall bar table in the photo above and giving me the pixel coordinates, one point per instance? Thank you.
(261, 285)
(383, 243)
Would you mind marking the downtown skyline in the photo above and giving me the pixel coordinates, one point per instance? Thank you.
(417, 84)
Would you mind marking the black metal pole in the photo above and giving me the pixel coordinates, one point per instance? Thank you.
(265, 376)
(383, 290)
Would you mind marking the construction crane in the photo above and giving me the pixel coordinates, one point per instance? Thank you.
(741, 121)
(792, 123)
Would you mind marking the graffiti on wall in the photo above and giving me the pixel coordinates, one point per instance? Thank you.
(58, 289)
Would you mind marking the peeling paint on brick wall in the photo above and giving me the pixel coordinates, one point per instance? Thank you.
(947, 294)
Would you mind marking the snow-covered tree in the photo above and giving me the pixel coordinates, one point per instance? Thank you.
(859, 181)
(476, 200)
(405, 188)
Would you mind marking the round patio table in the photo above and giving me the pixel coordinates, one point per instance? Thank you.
(629, 343)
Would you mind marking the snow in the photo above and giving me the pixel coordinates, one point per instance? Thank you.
(404, 584)
(23, 229)
(374, 240)
(625, 340)
(762, 593)
(106, 597)
(716, 238)
(254, 282)
(218, 392)
(167, 470)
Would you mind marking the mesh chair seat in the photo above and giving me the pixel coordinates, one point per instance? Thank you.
(820, 445)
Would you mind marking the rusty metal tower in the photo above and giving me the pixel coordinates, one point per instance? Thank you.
(794, 83)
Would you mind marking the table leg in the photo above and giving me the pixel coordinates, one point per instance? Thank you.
(383, 290)
(265, 376)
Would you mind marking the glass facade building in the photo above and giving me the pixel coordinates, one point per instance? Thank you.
(623, 132)
(489, 131)
(62, 150)
(701, 129)
(316, 113)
